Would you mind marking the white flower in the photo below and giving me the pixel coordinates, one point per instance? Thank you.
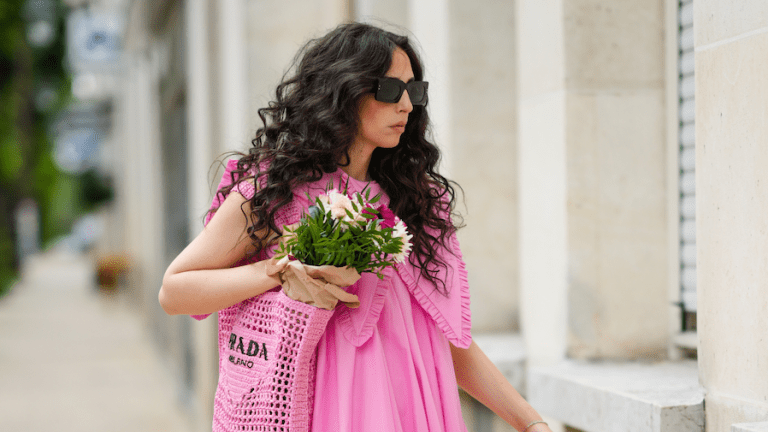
(325, 203)
(339, 204)
(401, 232)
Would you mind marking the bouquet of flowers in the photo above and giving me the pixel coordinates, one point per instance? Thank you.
(339, 237)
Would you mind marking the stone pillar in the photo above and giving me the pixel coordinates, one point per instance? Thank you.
(236, 127)
(276, 30)
(201, 149)
(732, 202)
(199, 111)
(429, 22)
(136, 163)
(592, 161)
(483, 124)
(542, 183)
(384, 13)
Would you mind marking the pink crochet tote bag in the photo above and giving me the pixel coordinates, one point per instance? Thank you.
(267, 365)
(267, 358)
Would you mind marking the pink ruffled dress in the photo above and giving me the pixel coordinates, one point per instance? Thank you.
(387, 366)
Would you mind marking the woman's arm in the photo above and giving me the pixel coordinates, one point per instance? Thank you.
(478, 376)
(200, 280)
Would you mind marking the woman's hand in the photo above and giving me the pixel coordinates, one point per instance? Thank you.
(201, 279)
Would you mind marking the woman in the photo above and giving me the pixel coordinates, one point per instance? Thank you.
(354, 113)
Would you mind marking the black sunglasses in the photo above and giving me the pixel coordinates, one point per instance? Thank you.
(390, 90)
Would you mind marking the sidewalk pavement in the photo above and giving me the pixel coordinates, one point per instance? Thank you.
(74, 359)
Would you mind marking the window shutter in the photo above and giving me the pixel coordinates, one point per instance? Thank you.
(687, 157)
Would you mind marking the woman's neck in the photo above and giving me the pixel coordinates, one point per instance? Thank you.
(356, 174)
(359, 160)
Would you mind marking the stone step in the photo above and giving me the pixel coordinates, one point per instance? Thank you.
(620, 397)
(750, 427)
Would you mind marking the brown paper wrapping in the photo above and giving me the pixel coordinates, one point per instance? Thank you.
(319, 286)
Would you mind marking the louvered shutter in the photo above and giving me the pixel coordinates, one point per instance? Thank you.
(687, 157)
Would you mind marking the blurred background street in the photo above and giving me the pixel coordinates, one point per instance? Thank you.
(74, 358)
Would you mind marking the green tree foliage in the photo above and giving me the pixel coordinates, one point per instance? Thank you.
(26, 166)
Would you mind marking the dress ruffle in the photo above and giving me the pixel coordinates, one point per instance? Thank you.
(358, 324)
(452, 312)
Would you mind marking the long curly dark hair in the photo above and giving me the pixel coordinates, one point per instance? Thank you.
(312, 123)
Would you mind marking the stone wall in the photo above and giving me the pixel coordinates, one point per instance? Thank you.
(593, 157)
(483, 123)
(732, 201)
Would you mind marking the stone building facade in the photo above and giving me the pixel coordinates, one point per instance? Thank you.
(561, 120)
